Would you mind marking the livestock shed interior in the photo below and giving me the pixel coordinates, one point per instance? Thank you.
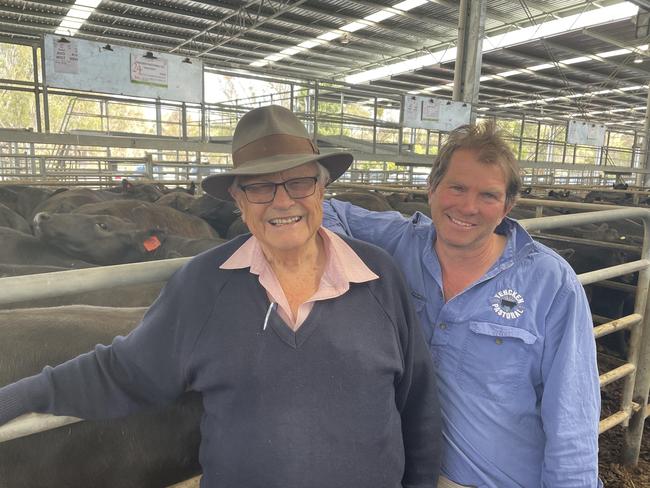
(133, 99)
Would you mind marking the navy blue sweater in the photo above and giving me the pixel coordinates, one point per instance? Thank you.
(348, 400)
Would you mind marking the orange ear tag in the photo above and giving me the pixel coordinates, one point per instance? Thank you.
(151, 244)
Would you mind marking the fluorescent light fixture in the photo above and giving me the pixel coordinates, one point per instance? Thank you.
(77, 14)
(379, 16)
(275, 57)
(290, 51)
(403, 66)
(81, 13)
(540, 66)
(579, 59)
(88, 3)
(330, 36)
(629, 88)
(407, 5)
(261, 62)
(353, 26)
(616, 52)
(505, 74)
(582, 20)
(309, 44)
(487, 78)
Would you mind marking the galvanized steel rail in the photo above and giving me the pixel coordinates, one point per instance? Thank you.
(636, 371)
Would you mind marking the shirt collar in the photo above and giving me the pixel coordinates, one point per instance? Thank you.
(342, 264)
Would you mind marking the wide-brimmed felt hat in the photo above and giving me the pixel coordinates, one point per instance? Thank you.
(271, 139)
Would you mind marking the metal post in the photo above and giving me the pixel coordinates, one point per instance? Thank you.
(184, 121)
(638, 383)
(316, 111)
(374, 127)
(471, 27)
(341, 113)
(46, 108)
(37, 91)
(644, 180)
(521, 136)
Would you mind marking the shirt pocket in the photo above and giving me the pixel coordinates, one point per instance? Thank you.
(492, 359)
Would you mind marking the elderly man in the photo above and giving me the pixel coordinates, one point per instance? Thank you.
(312, 367)
(506, 320)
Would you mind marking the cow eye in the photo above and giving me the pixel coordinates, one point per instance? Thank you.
(102, 225)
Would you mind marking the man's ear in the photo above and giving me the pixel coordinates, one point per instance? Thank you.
(237, 196)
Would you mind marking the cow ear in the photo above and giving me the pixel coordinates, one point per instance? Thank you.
(152, 239)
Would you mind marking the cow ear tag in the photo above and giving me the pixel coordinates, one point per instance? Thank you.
(151, 244)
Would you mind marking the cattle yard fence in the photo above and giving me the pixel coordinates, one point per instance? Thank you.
(635, 372)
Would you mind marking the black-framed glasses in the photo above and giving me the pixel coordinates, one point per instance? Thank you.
(296, 188)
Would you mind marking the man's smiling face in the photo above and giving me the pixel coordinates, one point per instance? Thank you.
(284, 224)
(469, 202)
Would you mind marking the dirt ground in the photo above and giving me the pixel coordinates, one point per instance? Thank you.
(613, 474)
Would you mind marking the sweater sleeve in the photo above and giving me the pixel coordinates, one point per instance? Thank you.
(416, 394)
(142, 369)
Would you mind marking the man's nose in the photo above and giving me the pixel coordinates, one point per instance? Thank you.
(282, 197)
(470, 203)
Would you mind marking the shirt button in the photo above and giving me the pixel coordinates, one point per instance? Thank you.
(443, 326)
(498, 340)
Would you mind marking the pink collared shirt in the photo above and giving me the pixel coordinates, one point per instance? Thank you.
(342, 267)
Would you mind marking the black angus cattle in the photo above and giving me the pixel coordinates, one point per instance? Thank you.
(152, 216)
(220, 214)
(147, 191)
(13, 220)
(154, 448)
(20, 248)
(106, 240)
(238, 227)
(66, 200)
(369, 200)
(23, 199)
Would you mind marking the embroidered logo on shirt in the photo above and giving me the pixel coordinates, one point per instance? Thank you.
(508, 304)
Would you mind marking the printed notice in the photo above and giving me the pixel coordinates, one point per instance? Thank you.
(431, 110)
(411, 109)
(66, 56)
(148, 70)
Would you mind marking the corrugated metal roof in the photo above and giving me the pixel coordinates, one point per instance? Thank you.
(237, 33)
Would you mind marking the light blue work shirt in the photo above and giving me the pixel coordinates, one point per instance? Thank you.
(514, 352)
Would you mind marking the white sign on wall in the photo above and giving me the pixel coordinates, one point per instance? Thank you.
(585, 133)
(66, 56)
(422, 112)
(79, 64)
(148, 69)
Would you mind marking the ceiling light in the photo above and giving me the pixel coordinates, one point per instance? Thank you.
(309, 44)
(590, 18)
(638, 59)
(345, 39)
(353, 26)
(330, 36)
(379, 16)
(407, 5)
(149, 55)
